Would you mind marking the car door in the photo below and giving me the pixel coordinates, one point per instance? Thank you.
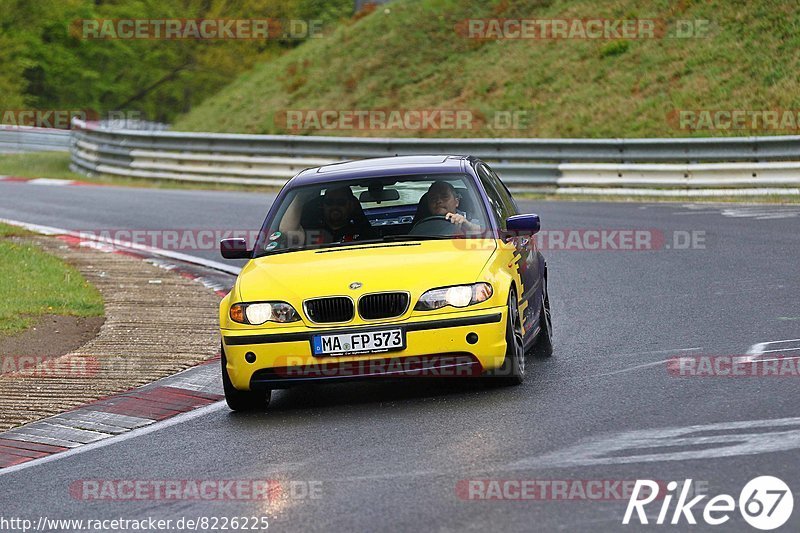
(529, 265)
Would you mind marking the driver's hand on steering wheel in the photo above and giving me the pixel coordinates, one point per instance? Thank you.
(462, 222)
(455, 218)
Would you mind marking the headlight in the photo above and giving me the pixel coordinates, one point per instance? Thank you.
(259, 313)
(457, 296)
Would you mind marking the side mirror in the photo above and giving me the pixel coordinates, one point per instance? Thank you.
(234, 249)
(523, 224)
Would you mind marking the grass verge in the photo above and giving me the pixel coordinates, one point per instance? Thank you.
(35, 283)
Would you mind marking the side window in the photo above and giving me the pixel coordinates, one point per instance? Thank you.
(505, 194)
(499, 209)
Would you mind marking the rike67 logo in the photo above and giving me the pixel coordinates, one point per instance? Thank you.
(765, 503)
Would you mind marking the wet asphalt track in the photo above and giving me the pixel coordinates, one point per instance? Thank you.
(391, 456)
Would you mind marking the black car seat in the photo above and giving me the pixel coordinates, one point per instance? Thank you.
(312, 217)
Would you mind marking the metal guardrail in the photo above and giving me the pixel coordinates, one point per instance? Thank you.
(23, 139)
(566, 165)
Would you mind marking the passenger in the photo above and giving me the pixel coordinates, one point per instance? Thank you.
(340, 219)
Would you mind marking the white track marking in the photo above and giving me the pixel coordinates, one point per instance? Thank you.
(781, 359)
(760, 348)
(654, 352)
(178, 419)
(49, 230)
(105, 418)
(761, 213)
(632, 368)
(50, 181)
(710, 441)
(758, 212)
(646, 365)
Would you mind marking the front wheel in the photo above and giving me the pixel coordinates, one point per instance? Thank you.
(513, 370)
(544, 340)
(241, 400)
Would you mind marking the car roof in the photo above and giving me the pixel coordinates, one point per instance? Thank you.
(380, 167)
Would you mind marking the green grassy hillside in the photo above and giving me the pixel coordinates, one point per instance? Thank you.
(409, 56)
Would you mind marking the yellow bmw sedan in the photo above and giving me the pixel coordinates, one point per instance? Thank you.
(414, 266)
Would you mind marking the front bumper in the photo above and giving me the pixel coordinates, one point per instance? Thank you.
(436, 345)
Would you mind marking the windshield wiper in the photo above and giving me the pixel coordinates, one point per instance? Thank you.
(399, 238)
(322, 246)
(278, 251)
(328, 246)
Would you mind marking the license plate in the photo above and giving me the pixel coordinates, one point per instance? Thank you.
(359, 343)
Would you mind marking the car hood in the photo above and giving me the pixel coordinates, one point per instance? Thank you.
(414, 266)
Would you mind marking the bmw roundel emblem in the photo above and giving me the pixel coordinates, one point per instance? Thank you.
(355, 285)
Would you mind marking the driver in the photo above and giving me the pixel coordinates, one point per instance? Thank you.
(443, 200)
(337, 222)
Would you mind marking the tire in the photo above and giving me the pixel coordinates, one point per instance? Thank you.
(512, 372)
(239, 400)
(543, 347)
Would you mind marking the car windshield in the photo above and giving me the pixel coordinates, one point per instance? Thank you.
(343, 213)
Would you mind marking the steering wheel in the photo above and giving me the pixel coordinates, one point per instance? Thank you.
(434, 225)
